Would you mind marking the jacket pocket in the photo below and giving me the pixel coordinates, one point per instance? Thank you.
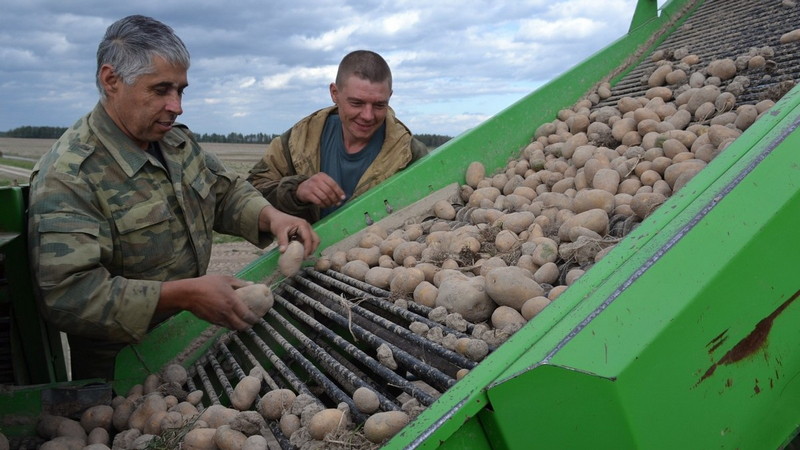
(145, 239)
(67, 243)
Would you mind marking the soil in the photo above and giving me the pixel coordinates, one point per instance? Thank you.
(230, 257)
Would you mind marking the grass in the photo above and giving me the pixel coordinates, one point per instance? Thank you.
(17, 163)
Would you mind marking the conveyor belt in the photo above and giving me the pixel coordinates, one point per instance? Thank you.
(728, 29)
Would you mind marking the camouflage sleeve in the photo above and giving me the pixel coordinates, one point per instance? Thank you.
(418, 149)
(69, 237)
(238, 206)
(274, 176)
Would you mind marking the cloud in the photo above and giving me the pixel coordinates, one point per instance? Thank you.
(257, 68)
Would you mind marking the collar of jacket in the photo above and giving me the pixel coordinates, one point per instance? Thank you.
(125, 152)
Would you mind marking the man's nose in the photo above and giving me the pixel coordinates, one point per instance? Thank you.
(174, 104)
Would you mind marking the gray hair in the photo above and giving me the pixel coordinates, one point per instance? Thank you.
(130, 44)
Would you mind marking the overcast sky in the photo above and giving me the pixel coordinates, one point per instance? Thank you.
(260, 66)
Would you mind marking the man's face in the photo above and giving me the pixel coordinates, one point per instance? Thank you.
(362, 107)
(146, 110)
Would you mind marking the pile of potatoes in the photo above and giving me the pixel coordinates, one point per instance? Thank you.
(514, 240)
(159, 414)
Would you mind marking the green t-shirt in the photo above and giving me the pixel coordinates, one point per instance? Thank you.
(346, 169)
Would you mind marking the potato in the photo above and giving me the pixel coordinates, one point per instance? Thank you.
(151, 383)
(152, 403)
(195, 397)
(290, 260)
(593, 219)
(322, 264)
(504, 316)
(474, 349)
(368, 255)
(218, 415)
(245, 392)
(506, 241)
(276, 402)
(443, 209)
(97, 416)
(547, 273)
(356, 269)
(467, 297)
(643, 204)
(587, 199)
(227, 438)
(289, 423)
(338, 260)
(369, 239)
(379, 276)
(425, 294)
(122, 414)
(96, 436)
(407, 248)
(64, 443)
(511, 286)
(153, 423)
(383, 425)
(405, 280)
(174, 373)
(199, 439)
(257, 297)
(366, 400)
(517, 222)
(326, 421)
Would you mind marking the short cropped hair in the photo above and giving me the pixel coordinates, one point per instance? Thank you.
(130, 44)
(366, 65)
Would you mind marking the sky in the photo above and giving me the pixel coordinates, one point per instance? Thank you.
(258, 66)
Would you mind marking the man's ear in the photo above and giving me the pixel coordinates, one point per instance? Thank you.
(109, 79)
(334, 92)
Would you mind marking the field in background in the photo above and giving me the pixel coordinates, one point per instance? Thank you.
(238, 157)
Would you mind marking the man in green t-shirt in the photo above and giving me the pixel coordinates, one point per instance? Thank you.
(339, 152)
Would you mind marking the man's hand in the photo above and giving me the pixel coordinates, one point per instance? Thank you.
(321, 190)
(285, 226)
(211, 298)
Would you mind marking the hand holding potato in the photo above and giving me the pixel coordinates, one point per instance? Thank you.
(212, 298)
(285, 226)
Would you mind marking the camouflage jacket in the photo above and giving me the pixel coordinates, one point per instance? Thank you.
(108, 224)
(295, 156)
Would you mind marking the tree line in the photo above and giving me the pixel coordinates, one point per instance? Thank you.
(431, 140)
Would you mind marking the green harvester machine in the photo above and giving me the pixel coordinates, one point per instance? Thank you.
(685, 336)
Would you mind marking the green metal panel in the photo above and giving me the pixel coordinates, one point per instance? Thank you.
(38, 357)
(696, 331)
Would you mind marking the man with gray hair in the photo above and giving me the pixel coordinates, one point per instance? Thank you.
(339, 152)
(123, 206)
